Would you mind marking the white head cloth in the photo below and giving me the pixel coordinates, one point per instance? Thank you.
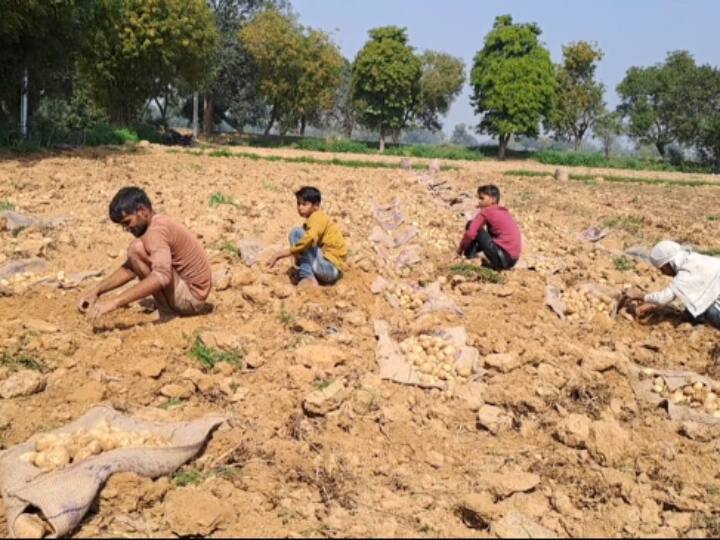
(697, 282)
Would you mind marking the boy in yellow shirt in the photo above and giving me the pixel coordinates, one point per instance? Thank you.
(318, 246)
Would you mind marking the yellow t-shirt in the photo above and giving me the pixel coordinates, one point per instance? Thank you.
(323, 233)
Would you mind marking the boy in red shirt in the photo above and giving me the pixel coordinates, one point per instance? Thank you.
(493, 231)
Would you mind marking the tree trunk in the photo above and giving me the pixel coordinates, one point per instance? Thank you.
(607, 146)
(270, 123)
(660, 148)
(208, 115)
(576, 144)
(303, 123)
(503, 142)
(382, 139)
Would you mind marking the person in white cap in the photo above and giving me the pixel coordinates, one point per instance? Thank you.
(696, 283)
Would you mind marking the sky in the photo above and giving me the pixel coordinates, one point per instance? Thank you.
(630, 32)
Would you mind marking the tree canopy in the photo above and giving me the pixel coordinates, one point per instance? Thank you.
(386, 81)
(299, 70)
(513, 81)
(136, 49)
(579, 96)
(440, 83)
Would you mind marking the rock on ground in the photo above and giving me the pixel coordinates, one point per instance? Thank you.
(190, 511)
(517, 525)
(21, 384)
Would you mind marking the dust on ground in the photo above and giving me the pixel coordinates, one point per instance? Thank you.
(543, 441)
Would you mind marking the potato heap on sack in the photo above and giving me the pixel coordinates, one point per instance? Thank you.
(57, 450)
(582, 306)
(19, 281)
(697, 395)
(407, 297)
(433, 358)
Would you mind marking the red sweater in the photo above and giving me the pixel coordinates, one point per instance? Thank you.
(501, 227)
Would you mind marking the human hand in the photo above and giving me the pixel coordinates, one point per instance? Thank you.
(271, 261)
(100, 308)
(633, 293)
(644, 310)
(87, 301)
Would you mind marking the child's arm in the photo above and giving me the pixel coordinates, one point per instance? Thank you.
(277, 256)
(471, 233)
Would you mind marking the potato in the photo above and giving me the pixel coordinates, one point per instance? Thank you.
(678, 397)
(464, 371)
(107, 442)
(28, 457)
(58, 456)
(658, 388)
(46, 441)
(42, 462)
(30, 526)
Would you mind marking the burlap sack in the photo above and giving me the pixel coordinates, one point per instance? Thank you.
(673, 380)
(394, 367)
(64, 496)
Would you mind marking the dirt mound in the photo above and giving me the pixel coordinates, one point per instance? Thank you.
(544, 436)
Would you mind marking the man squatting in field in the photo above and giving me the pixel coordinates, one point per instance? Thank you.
(165, 256)
(493, 232)
(696, 282)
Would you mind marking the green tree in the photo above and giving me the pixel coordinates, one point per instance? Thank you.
(579, 96)
(705, 136)
(608, 127)
(139, 49)
(41, 37)
(299, 71)
(341, 115)
(660, 101)
(441, 82)
(461, 137)
(322, 66)
(234, 95)
(513, 81)
(386, 81)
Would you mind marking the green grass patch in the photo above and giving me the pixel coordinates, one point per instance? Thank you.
(229, 247)
(208, 357)
(172, 403)
(286, 318)
(712, 251)
(322, 384)
(588, 159)
(623, 263)
(712, 218)
(17, 362)
(188, 477)
(630, 224)
(350, 163)
(476, 273)
(593, 178)
(526, 173)
(217, 198)
(6, 205)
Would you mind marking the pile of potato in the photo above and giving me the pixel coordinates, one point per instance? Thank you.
(57, 450)
(19, 281)
(697, 396)
(433, 358)
(582, 306)
(407, 297)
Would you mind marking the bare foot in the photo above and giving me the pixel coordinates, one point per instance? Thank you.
(307, 283)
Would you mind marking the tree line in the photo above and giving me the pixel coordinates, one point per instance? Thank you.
(88, 62)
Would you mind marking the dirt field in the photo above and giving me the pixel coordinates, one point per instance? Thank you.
(546, 437)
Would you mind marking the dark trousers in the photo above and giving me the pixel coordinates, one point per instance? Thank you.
(711, 317)
(496, 256)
